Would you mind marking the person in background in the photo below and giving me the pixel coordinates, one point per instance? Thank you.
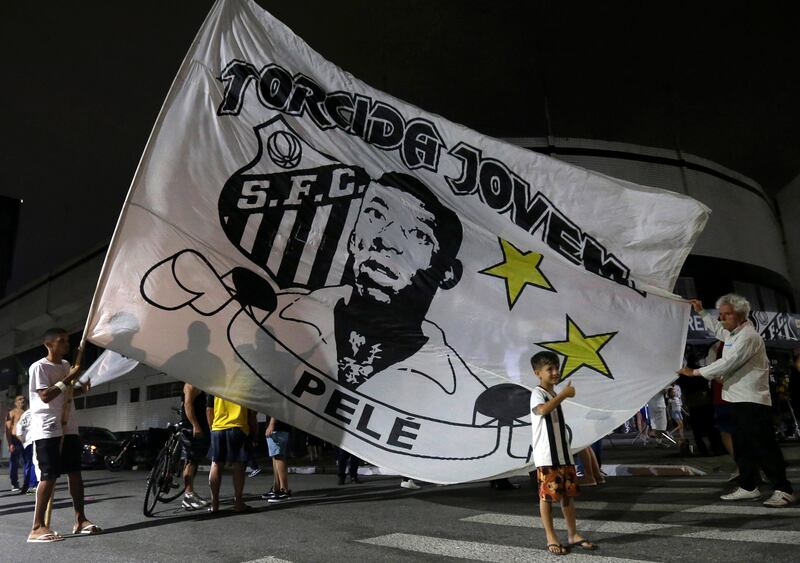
(588, 470)
(347, 464)
(30, 480)
(14, 445)
(195, 441)
(230, 426)
(314, 445)
(723, 416)
(675, 410)
(277, 434)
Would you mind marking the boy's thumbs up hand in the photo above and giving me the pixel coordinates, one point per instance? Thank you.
(568, 390)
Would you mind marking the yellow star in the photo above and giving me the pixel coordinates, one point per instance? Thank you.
(580, 350)
(518, 269)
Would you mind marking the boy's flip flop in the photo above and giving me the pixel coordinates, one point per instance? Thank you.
(49, 537)
(584, 544)
(556, 549)
(87, 529)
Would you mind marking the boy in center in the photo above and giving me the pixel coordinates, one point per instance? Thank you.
(555, 467)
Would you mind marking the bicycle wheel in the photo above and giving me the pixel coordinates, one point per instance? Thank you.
(119, 461)
(112, 463)
(154, 483)
(173, 478)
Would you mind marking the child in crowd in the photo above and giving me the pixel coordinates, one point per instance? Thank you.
(555, 467)
(675, 410)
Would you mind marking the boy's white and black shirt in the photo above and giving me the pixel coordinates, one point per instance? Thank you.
(550, 443)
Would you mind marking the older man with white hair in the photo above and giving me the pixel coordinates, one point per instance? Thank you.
(744, 371)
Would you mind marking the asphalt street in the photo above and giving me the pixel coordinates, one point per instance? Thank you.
(631, 518)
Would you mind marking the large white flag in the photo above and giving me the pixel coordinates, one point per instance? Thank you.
(299, 242)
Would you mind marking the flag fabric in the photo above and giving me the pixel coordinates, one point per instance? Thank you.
(108, 367)
(378, 276)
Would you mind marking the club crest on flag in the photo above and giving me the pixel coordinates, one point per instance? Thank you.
(291, 208)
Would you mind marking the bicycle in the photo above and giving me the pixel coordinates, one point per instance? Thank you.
(166, 474)
(125, 458)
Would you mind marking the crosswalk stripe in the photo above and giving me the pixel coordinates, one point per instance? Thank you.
(268, 559)
(709, 479)
(788, 537)
(689, 508)
(587, 525)
(662, 490)
(478, 551)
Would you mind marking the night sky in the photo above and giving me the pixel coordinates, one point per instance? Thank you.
(84, 81)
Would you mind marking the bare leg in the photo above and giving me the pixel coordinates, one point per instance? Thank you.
(189, 471)
(679, 428)
(76, 492)
(281, 472)
(568, 508)
(589, 477)
(598, 476)
(214, 481)
(238, 487)
(546, 513)
(276, 483)
(727, 441)
(43, 493)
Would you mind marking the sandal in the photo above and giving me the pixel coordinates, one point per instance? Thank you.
(49, 537)
(556, 549)
(584, 544)
(87, 528)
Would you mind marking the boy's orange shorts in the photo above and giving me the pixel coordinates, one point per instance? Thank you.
(556, 482)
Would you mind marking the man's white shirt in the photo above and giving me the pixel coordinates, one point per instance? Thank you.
(744, 366)
(46, 417)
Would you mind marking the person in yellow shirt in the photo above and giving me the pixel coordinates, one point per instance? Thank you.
(230, 444)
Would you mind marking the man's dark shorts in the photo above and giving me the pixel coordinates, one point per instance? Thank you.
(194, 450)
(55, 460)
(229, 446)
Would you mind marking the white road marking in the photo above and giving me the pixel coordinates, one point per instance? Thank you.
(788, 537)
(268, 559)
(732, 508)
(663, 490)
(477, 551)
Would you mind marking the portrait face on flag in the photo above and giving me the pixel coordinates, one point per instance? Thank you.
(378, 276)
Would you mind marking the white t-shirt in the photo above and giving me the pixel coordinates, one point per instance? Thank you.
(550, 444)
(23, 427)
(46, 417)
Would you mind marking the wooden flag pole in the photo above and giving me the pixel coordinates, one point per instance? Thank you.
(65, 413)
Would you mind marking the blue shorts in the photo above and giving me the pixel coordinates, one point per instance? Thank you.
(229, 446)
(193, 450)
(723, 416)
(676, 415)
(278, 443)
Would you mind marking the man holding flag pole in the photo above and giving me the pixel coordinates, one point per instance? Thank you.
(55, 434)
